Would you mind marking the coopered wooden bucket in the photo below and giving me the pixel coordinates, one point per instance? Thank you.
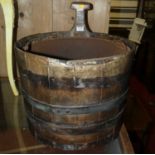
(74, 84)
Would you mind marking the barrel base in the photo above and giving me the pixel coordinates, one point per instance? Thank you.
(42, 137)
(69, 147)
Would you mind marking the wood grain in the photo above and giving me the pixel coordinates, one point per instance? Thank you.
(97, 18)
(35, 16)
(31, 146)
(38, 16)
(125, 141)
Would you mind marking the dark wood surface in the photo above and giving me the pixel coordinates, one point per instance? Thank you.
(15, 136)
(23, 142)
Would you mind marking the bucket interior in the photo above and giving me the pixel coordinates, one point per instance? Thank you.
(77, 48)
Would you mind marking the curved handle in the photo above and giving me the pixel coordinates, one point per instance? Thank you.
(8, 11)
(80, 27)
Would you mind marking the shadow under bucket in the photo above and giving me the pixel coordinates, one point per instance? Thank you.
(74, 84)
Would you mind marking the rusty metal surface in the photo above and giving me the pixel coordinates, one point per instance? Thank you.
(74, 85)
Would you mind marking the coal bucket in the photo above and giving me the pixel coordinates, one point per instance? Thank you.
(74, 84)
